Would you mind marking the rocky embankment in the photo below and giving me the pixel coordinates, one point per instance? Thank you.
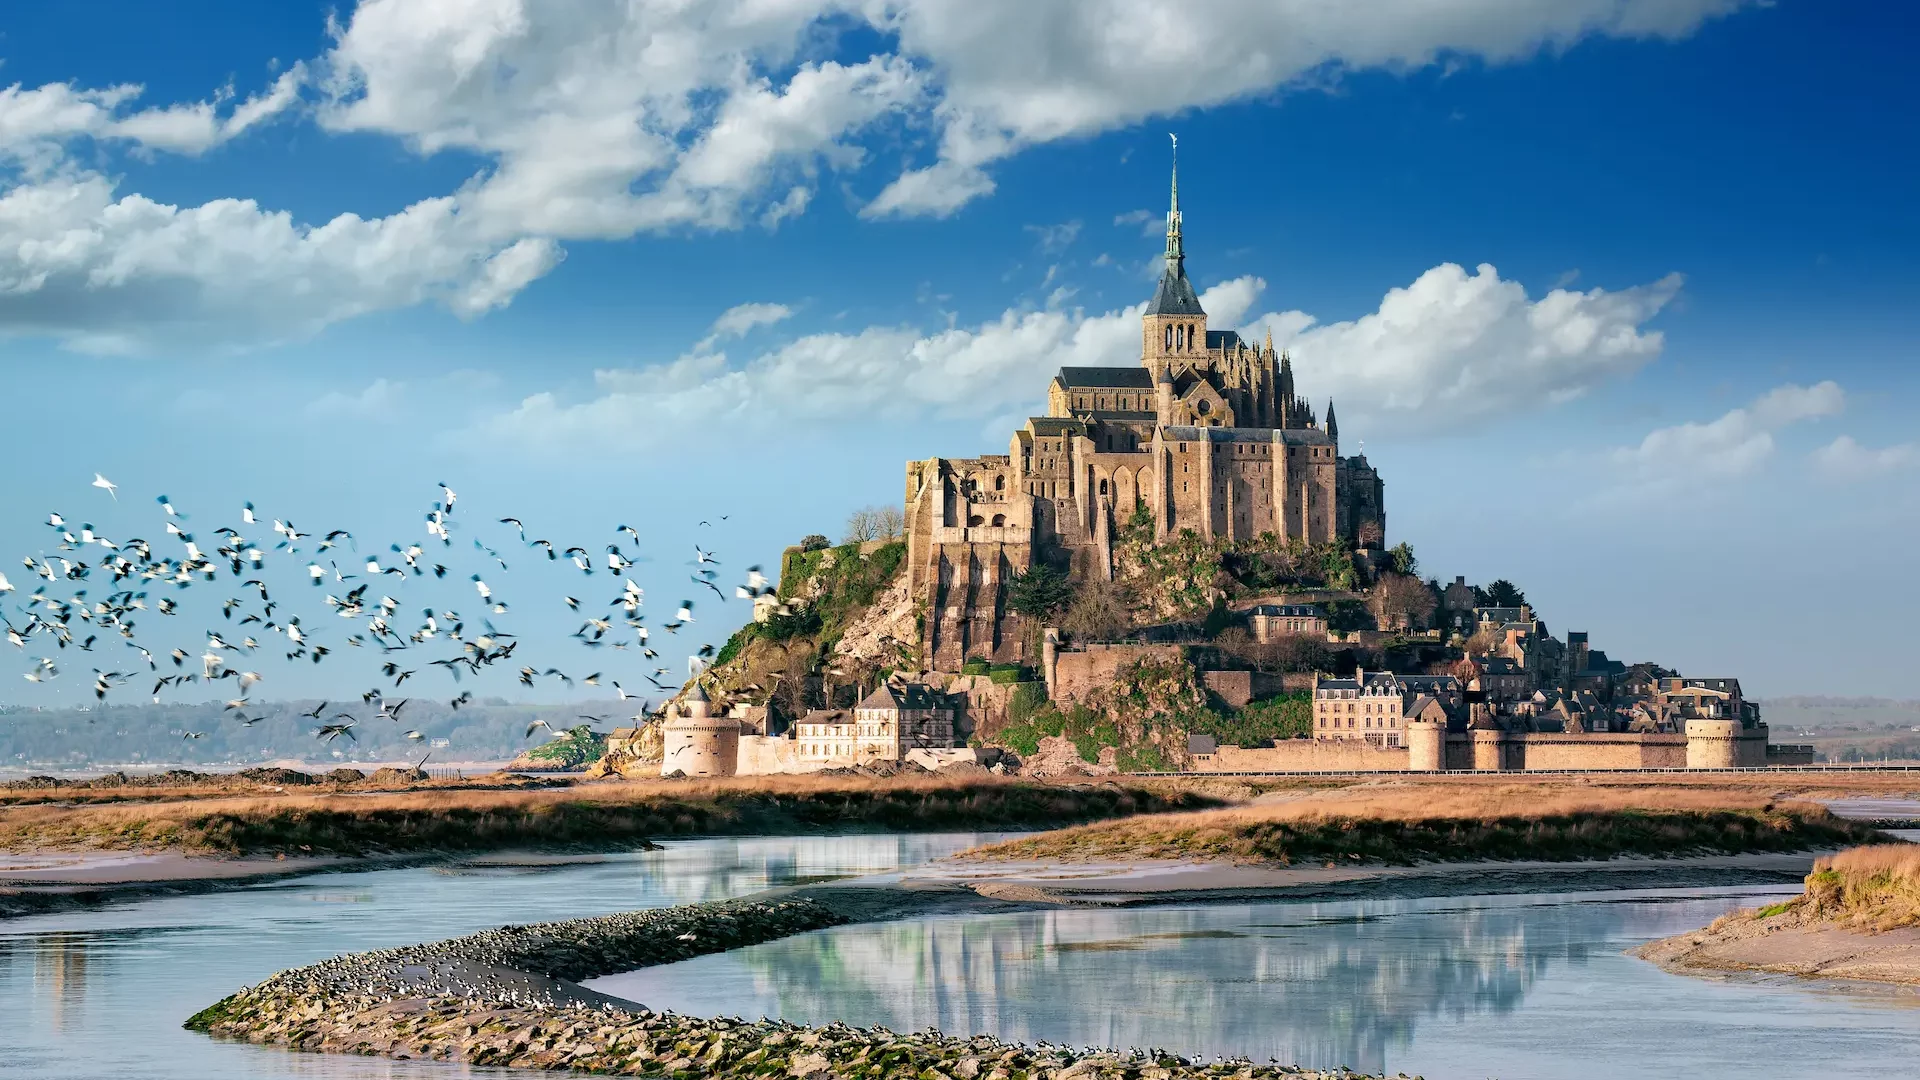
(510, 997)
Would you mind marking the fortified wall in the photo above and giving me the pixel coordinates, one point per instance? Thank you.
(1708, 744)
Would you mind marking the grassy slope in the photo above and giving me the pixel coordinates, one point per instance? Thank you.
(1435, 825)
(602, 816)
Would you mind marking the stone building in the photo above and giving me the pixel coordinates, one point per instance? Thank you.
(886, 725)
(1269, 622)
(1207, 433)
(696, 743)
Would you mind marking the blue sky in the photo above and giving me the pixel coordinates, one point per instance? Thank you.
(1619, 293)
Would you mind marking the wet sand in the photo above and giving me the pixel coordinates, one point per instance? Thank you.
(1094, 884)
(1786, 945)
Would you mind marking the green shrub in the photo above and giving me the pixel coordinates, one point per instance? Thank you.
(1279, 717)
(974, 666)
(735, 643)
(1007, 674)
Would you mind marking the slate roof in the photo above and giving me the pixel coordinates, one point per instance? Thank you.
(1175, 294)
(1056, 425)
(910, 696)
(1108, 378)
(1201, 744)
(1289, 611)
(1222, 339)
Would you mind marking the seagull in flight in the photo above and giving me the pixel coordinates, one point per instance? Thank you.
(110, 487)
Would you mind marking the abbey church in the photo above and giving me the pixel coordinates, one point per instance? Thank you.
(1207, 433)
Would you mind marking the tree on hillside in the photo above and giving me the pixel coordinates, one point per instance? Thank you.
(1403, 560)
(1099, 611)
(873, 523)
(1502, 593)
(814, 542)
(1402, 600)
(1038, 593)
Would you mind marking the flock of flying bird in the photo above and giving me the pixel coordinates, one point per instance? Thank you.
(127, 578)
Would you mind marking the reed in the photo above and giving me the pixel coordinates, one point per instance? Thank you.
(1875, 887)
(1427, 823)
(591, 817)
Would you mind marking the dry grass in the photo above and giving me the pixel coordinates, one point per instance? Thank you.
(1417, 822)
(591, 816)
(1870, 888)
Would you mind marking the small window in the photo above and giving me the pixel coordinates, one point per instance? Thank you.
(999, 521)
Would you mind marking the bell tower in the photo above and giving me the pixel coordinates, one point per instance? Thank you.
(1174, 328)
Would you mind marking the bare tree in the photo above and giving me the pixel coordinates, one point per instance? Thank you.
(1401, 599)
(873, 523)
(1099, 611)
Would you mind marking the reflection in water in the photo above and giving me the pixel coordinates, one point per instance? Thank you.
(103, 993)
(1379, 986)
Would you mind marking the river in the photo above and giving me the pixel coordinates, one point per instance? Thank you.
(1455, 988)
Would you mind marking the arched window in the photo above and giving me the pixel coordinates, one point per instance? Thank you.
(999, 483)
(1168, 334)
(1103, 487)
(999, 521)
(976, 520)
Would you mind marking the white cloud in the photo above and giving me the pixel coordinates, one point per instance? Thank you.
(114, 273)
(1847, 458)
(598, 119)
(1436, 351)
(740, 318)
(1076, 69)
(1054, 239)
(36, 124)
(1455, 348)
(1734, 445)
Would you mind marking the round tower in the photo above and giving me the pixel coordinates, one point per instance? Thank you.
(698, 743)
(1426, 745)
(1722, 744)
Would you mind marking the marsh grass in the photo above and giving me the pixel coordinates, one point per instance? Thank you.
(592, 817)
(1429, 823)
(1873, 888)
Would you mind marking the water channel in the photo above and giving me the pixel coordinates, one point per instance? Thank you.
(1455, 988)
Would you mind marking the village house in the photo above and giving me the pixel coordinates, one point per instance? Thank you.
(1269, 622)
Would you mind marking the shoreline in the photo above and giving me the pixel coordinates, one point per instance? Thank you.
(512, 996)
(1813, 953)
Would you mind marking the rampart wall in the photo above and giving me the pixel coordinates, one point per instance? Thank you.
(1077, 672)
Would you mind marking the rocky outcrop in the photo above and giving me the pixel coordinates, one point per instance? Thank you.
(508, 997)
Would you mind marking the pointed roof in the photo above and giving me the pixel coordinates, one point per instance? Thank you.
(1175, 295)
(1333, 426)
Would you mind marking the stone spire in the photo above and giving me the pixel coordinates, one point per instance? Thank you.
(1333, 426)
(1175, 295)
(1176, 251)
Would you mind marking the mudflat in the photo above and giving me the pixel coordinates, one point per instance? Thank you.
(1749, 944)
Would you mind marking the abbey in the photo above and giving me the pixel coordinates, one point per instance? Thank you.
(1207, 433)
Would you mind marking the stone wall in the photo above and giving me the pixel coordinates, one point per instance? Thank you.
(1305, 755)
(1080, 671)
(1238, 688)
(1596, 751)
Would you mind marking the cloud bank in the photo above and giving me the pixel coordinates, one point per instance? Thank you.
(600, 120)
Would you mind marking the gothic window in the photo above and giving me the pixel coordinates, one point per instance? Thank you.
(999, 483)
(1168, 335)
(1103, 487)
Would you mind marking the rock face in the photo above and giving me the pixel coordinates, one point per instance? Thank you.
(508, 997)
